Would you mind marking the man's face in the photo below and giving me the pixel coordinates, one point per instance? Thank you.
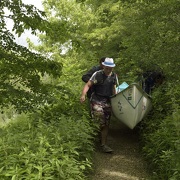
(107, 70)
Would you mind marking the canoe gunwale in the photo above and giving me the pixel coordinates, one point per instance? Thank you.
(130, 86)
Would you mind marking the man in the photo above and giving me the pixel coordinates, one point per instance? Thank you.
(104, 84)
(151, 79)
(88, 75)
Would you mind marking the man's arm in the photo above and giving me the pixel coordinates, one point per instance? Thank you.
(85, 90)
(116, 83)
(114, 89)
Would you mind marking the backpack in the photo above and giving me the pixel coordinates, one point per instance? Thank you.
(87, 76)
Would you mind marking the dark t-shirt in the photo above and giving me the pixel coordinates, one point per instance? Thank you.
(103, 85)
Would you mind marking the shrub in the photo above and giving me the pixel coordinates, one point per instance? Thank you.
(35, 149)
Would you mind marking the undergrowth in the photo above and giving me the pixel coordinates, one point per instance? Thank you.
(161, 136)
(33, 148)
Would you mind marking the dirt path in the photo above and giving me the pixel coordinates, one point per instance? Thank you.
(126, 163)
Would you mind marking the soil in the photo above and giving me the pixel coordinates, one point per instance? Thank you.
(126, 162)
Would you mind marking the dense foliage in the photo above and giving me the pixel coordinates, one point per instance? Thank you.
(21, 69)
(39, 149)
(139, 35)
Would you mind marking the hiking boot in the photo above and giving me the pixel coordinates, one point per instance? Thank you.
(106, 149)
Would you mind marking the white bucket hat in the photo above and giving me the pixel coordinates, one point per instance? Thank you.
(109, 62)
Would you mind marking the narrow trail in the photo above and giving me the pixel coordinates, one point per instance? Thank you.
(126, 162)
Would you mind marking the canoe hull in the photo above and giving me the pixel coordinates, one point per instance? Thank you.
(131, 105)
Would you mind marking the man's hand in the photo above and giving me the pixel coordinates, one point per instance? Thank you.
(83, 98)
(85, 90)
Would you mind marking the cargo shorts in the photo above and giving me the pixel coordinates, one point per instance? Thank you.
(101, 111)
